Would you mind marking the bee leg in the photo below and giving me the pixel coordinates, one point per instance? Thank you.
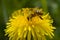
(41, 18)
(28, 18)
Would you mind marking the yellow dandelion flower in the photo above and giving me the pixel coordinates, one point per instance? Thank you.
(29, 24)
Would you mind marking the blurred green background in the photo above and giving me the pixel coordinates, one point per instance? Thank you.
(8, 6)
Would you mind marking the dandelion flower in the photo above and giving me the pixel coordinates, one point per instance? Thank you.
(29, 24)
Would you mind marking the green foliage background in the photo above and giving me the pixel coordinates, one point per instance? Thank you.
(8, 6)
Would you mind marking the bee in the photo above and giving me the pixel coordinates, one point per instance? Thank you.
(36, 13)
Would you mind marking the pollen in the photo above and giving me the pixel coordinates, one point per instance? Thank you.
(37, 27)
